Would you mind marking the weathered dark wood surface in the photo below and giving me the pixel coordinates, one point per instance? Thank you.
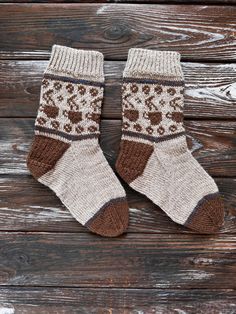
(106, 301)
(49, 263)
(128, 1)
(198, 32)
(132, 260)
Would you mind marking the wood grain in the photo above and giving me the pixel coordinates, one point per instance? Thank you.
(27, 205)
(212, 143)
(197, 32)
(132, 260)
(116, 301)
(125, 1)
(210, 89)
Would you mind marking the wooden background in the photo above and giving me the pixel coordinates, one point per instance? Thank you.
(51, 264)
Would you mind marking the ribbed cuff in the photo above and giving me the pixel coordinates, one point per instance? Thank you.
(81, 64)
(145, 63)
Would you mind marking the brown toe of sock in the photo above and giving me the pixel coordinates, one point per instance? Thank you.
(208, 215)
(112, 219)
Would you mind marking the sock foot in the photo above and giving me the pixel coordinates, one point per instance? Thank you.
(208, 215)
(111, 220)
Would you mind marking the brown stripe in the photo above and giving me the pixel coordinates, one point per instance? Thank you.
(153, 81)
(69, 137)
(152, 138)
(72, 80)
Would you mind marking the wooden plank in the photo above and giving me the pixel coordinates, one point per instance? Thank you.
(210, 89)
(27, 205)
(212, 143)
(221, 2)
(115, 301)
(132, 260)
(197, 32)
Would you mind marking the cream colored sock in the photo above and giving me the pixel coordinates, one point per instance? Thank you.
(65, 154)
(154, 158)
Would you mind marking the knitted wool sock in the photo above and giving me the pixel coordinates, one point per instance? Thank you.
(65, 154)
(154, 158)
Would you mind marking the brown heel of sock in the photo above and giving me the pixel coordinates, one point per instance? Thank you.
(44, 154)
(132, 159)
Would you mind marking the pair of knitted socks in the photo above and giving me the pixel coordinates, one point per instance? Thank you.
(153, 159)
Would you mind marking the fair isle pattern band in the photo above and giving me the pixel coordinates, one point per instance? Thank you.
(152, 109)
(154, 81)
(69, 108)
(151, 138)
(73, 80)
(66, 136)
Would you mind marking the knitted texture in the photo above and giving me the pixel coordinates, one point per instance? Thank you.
(65, 154)
(154, 158)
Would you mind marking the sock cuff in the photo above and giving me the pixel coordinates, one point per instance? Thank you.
(145, 63)
(80, 64)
